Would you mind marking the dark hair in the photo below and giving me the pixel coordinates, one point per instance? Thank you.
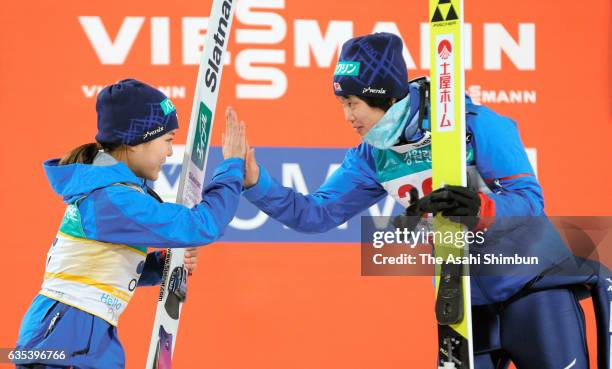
(85, 154)
(383, 103)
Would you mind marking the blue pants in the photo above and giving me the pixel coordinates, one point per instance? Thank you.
(88, 342)
(542, 330)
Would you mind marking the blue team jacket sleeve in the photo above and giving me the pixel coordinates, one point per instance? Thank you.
(351, 189)
(153, 269)
(120, 214)
(502, 162)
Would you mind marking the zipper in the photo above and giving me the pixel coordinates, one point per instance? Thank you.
(52, 324)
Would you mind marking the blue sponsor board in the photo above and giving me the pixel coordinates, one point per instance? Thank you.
(303, 169)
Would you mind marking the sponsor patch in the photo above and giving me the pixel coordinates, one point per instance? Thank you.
(347, 69)
(167, 106)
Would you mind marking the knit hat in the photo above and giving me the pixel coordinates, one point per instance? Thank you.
(131, 112)
(372, 65)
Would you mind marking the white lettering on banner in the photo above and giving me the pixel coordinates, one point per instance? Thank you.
(532, 155)
(480, 96)
(375, 211)
(293, 177)
(382, 219)
(108, 51)
(194, 35)
(172, 92)
(91, 91)
(277, 27)
(245, 68)
(160, 49)
(521, 53)
(313, 40)
(249, 224)
(425, 45)
(467, 46)
(309, 38)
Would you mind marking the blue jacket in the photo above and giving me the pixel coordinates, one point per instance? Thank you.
(120, 214)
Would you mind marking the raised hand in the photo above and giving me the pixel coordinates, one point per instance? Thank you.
(251, 169)
(234, 137)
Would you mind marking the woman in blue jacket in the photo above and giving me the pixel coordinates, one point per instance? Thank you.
(532, 319)
(99, 255)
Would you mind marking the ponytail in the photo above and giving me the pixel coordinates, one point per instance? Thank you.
(85, 154)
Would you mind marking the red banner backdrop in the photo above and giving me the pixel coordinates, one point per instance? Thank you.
(545, 64)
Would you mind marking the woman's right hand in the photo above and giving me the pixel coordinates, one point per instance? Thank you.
(251, 169)
(234, 137)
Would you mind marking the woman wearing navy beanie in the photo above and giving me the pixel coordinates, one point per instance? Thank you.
(99, 255)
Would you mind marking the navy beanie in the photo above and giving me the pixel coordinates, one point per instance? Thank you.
(131, 112)
(372, 65)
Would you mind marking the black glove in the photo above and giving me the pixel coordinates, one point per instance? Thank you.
(412, 215)
(459, 204)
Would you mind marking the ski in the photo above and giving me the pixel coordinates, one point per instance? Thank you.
(173, 289)
(453, 298)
